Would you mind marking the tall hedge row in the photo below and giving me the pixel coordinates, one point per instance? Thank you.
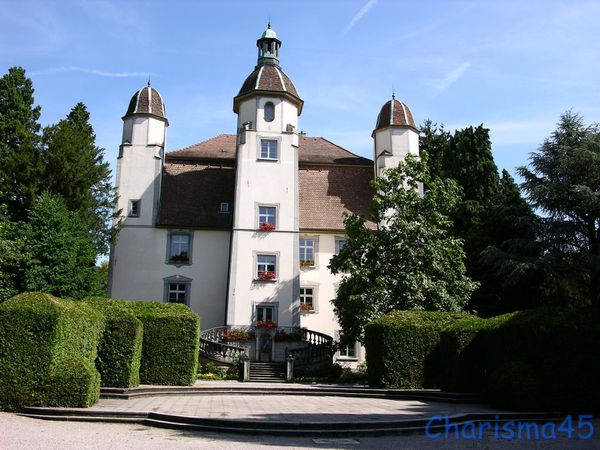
(120, 349)
(47, 351)
(170, 344)
(403, 348)
(464, 361)
(545, 358)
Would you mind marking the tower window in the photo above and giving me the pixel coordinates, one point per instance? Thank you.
(134, 208)
(268, 149)
(266, 267)
(269, 112)
(267, 217)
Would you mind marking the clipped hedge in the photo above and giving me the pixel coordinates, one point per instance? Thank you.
(120, 348)
(545, 358)
(47, 351)
(463, 362)
(403, 348)
(170, 343)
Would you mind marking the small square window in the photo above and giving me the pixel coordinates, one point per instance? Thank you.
(177, 293)
(267, 217)
(134, 208)
(268, 149)
(339, 245)
(179, 251)
(224, 207)
(307, 253)
(307, 299)
(266, 267)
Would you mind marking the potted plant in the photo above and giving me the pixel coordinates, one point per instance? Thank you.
(307, 263)
(304, 307)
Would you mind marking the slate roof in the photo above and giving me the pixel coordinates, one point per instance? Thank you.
(196, 179)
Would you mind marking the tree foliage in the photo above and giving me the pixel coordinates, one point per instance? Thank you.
(76, 170)
(10, 256)
(20, 164)
(495, 223)
(563, 182)
(59, 252)
(411, 261)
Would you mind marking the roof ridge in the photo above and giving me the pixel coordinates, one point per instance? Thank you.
(342, 148)
(201, 142)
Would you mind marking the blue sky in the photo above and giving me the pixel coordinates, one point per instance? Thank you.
(512, 65)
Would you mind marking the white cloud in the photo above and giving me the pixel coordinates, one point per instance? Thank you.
(452, 77)
(101, 73)
(359, 15)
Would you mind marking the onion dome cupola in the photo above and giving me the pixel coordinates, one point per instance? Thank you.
(267, 77)
(395, 113)
(147, 101)
(395, 135)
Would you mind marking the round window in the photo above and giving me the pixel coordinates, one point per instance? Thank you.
(269, 112)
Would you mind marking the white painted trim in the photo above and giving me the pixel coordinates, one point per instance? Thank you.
(281, 79)
(258, 77)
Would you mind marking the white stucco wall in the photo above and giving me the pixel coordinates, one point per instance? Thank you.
(140, 266)
(400, 141)
(323, 319)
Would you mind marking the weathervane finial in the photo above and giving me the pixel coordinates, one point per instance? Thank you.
(269, 24)
(393, 93)
(148, 80)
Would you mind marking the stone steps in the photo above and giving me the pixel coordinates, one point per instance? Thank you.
(267, 372)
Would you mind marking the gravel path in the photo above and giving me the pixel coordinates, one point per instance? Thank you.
(24, 433)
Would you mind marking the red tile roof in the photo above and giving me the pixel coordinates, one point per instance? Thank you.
(312, 150)
(198, 178)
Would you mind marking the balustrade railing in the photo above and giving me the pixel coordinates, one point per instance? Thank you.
(224, 343)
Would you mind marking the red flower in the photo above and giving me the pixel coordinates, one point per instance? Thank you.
(266, 226)
(260, 324)
(265, 276)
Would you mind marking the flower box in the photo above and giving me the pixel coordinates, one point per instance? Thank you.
(269, 324)
(266, 226)
(266, 276)
(182, 257)
(307, 263)
(305, 307)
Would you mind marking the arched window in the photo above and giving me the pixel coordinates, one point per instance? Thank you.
(269, 112)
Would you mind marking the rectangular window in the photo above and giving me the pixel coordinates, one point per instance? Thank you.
(265, 314)
(266, 267)
(348, 352)
(179, 248)
(134, 208)
(268, 149)
(267, 217)
(339, 244)
(306, 299)
(177, 293)
(224, 207)
(307, 253)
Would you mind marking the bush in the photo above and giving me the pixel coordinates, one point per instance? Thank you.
(557, 348)
(170, 343)
(120, 349)
(47, 351)
(403, 348)
(462, 354)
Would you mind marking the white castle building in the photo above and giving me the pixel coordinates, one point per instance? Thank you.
(242, 227)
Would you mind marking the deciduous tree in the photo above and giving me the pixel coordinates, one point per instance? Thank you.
(411, 261)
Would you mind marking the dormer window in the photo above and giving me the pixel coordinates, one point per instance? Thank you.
(224, 208)
(269, 112)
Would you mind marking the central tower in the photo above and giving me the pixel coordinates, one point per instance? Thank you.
(264, 270)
